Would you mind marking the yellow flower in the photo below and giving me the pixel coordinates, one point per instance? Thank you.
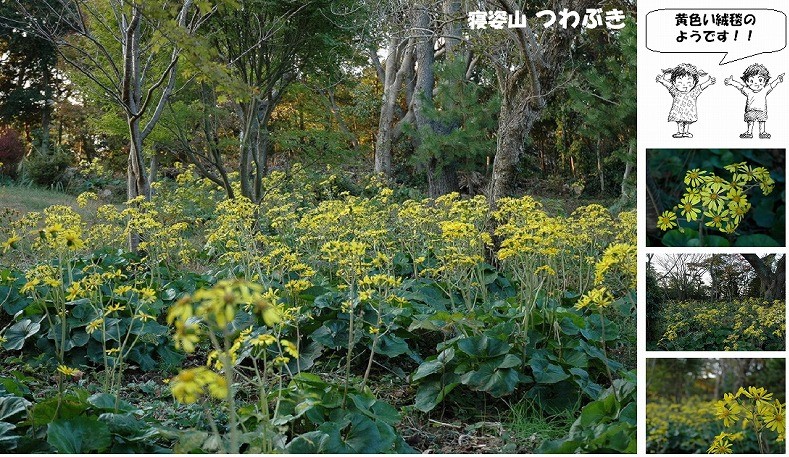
(147, 295)
(94, 325)
(52, 230)
(732, 168)
(758, 394)
(727, 412)
(29, 286)
(73, 240)
(712, 197)
(121, 290)
(774, 417)
(186, 336)
(599, 296)
(191, 383)
(52, 282)
(113, 308)
(263, 340)
(266, 306)
(694, 177)
(667, 220)
(85, 197)
(738, 212)
(737, 197)
(290, 348)
(144, 317)
(767, 186)
(280, 360)
(73, 291)
(365, 295)
(716, 217)
(186, 387)
(688, 208)
(545, 268)
(720, 445)
(11, 242)
(68, 371)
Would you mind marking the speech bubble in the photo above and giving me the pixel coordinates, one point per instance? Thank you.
(666, 29)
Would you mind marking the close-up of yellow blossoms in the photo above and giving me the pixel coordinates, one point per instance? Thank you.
(714, 202)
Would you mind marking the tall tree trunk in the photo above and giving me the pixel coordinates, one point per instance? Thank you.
(524, 82)
(773, 283)
(516, 117)
(212, 138)
(137, 181)
(247, 141)
(393, 76)
(600, 168)
(46, 112)
(441, 179)
(441, 174)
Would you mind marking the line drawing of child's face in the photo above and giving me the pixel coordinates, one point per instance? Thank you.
(684, 83)
(755, 82)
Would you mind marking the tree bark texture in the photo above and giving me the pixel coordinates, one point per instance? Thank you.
(525, 86)
(773, 283)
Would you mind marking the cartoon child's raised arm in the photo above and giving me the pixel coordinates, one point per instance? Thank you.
(661, 78)
(777, 80)
(710, 81)
(730, 81)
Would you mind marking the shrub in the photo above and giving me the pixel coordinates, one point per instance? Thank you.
(12, 150)
(46, 169)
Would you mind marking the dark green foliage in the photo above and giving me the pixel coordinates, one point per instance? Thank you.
(606, 425)
(338, 422)
(33, 332)
(47, 170)
(655, 297)
(462, 120)
(76, 423)
(558, 372)
(27, 73)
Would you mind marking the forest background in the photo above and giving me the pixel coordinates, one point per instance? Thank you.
(399, 88)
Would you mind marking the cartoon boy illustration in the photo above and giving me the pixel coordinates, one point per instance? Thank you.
(756, 78)
(682, 83)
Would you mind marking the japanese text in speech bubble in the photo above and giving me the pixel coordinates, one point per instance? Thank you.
(736, 33)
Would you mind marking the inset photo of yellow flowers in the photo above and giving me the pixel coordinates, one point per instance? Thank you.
(716, 406)
(716, 197)
(716, 302)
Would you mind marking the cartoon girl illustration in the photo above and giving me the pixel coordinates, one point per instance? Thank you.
(756, 78)
(682, 83)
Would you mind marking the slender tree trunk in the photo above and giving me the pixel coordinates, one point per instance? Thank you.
(210, 131)
(441, 174)
(137, 182)
(600, 168)
(392, 82)
(261, 157)
(153, 170)
(247, 141)
(46, 112)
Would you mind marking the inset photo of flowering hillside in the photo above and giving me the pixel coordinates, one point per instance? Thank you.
(716, 197)
(716, 302)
